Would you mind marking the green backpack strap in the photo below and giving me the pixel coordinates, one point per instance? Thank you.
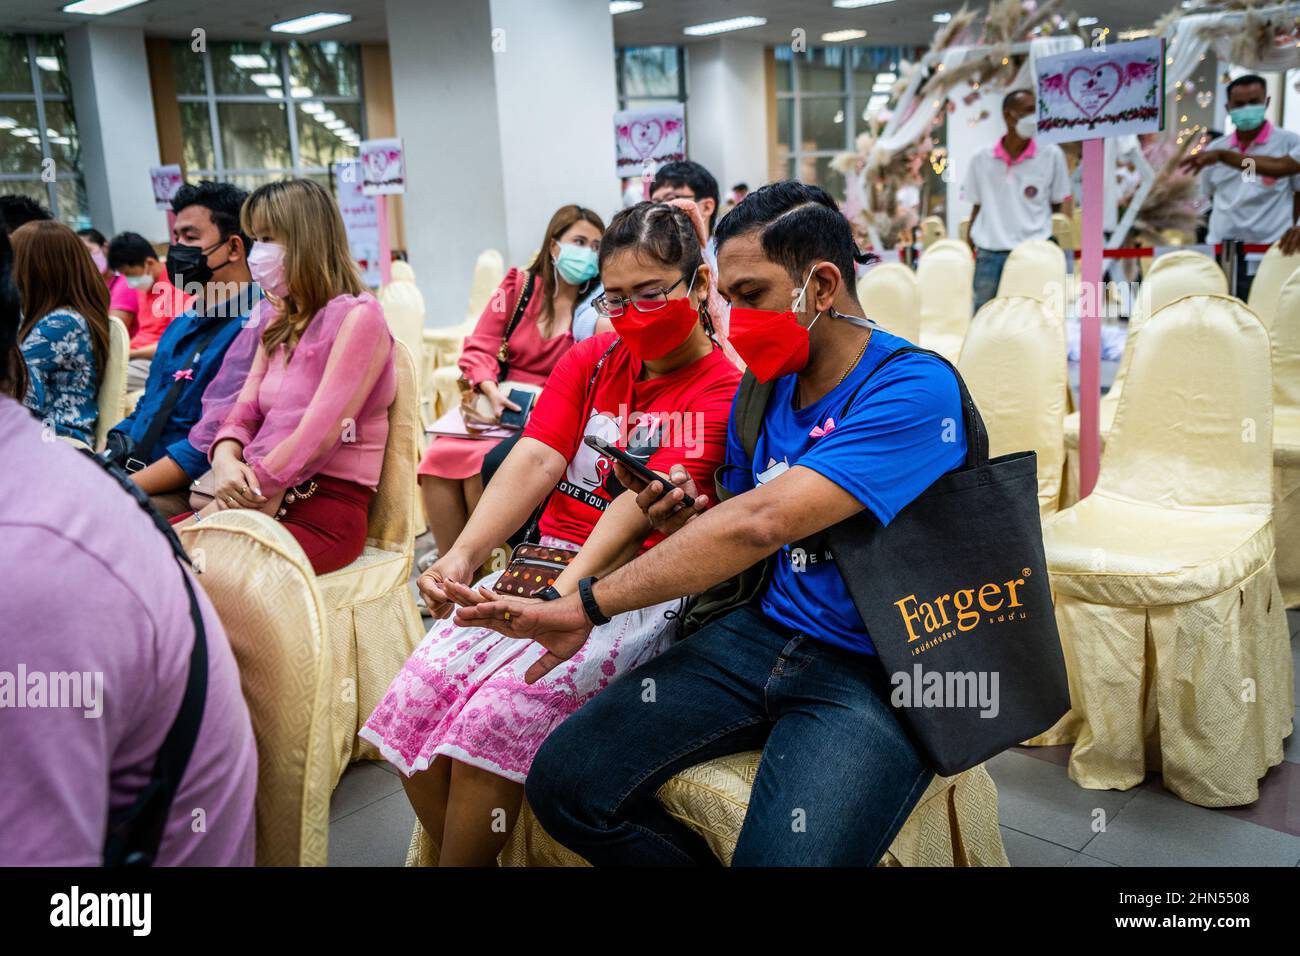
(747, 587)
(751, 402)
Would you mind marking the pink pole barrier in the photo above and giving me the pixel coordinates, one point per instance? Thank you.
(1090, 301)
(385, 243)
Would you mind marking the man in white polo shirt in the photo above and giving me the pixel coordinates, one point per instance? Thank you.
(1014, 185)
(1251, 176)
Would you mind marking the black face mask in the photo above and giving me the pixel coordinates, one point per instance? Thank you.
(189, 264)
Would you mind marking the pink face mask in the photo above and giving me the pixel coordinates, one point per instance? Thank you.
(100, 260)
(266, 263)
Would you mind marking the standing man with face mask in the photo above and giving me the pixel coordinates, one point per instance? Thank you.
(1252, 177)
(1014, 187)
(208, 259)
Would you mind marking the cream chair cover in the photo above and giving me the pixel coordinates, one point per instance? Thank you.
(1062, 230)
(955, 245)
(262, 586)
(112, 382)
(1274, 270)
(403, 306)
(1036, 269)
(932, 230)
(1286, 438)
(373, 622)
(1171, 619)
(890, 297)
(1170, 276)
(945, 276)
(1014, 365)
(955, 823)
(401, 271)
(489, 270)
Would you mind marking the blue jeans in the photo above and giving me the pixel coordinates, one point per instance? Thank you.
(837, 780)
(988, 273)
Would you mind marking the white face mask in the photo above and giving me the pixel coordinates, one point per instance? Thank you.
(1026, 127)
(144, 281)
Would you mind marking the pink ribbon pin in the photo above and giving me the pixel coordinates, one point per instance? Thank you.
(820, 430)
(181, 373)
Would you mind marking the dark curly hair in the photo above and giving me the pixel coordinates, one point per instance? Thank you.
(799, 225)
(223, 200)
(16, 210)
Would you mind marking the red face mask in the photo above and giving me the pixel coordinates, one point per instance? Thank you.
(770, 343)
(652, 335)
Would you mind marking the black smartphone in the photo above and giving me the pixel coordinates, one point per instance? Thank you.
(634, 466)
(512, 419)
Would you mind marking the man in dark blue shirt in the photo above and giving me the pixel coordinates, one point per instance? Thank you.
(207, 260)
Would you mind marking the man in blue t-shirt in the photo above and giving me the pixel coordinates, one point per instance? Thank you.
(796, 675)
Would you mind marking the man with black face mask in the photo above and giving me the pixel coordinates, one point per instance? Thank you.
(208, 260)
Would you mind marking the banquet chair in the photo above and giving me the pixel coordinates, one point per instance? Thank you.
(890, 297)
(264, 591)
(932, 230)
(442, 345)
(371, 621)
(1274, 270)
(1036, 269)
(1014, 364)
(1063, 230)
(1285, 335)
(1171, 620)
(1169, 277)
(954, 245)
(955, 823)
(403, 306)
(945, 276)
(112, 383)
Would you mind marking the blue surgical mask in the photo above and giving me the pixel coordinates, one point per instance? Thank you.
(1247, 117)
(576, 264)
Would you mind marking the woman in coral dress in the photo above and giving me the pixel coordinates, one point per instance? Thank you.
(563, 273)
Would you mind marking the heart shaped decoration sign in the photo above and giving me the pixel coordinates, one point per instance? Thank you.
(1091, 89)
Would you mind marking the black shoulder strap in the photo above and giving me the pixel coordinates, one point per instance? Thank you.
(144, 448)
(135, 832)
(503, 353)
(531, 533)
(751, 404)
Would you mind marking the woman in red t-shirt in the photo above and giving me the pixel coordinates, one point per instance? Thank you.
(459, 720)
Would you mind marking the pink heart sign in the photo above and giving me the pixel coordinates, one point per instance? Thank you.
(645, 136)
(1091, 89)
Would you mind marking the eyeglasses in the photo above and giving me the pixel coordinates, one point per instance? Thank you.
(651, 300)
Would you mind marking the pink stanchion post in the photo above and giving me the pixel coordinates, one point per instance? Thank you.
(1091, 304)
(385, 242)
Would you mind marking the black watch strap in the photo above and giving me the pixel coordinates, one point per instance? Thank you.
(589, 605)
(549, 593)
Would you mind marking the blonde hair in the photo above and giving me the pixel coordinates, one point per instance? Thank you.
(318, 263)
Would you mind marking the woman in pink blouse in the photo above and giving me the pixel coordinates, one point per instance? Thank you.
(562, 276)
(304, 439)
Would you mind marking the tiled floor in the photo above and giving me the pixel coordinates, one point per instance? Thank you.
(1047, 820)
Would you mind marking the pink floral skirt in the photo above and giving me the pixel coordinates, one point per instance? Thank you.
(462, 693)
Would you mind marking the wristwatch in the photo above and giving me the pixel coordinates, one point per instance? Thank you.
(549, 593)
(589, 605)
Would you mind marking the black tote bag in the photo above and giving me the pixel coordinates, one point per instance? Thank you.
(955, 595)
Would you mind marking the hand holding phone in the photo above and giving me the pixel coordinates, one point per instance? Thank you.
(635, 467)
(517, 419)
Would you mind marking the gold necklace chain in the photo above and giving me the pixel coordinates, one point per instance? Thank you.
(798, 402)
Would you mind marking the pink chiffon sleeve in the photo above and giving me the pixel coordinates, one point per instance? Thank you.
(478, 358)
(361, 353)
(245, 416)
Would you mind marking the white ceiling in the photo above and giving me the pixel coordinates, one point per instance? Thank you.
(660, 21)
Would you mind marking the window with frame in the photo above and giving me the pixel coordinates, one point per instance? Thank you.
(824, 97)
(253, 112)
(40, 152)
(650, 76)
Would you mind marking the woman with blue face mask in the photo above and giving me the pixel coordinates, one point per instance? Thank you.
(524, 331)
